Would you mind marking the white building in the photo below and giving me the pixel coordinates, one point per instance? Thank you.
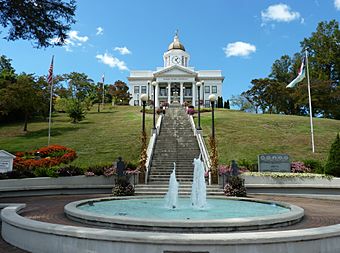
(175, 76)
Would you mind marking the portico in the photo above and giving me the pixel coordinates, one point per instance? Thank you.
(176, 78)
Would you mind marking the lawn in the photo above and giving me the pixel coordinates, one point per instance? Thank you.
(100, 139)
(243, 136)
(104, 136)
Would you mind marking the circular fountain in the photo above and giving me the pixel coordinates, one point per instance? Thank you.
(194, 215)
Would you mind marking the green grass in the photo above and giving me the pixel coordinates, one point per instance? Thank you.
(102, 137)
(98, 140)
(243, 136)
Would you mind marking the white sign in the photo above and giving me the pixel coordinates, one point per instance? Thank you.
(6, 161)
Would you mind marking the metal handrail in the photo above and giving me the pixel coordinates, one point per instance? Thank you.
(202, 146)
(151, 146)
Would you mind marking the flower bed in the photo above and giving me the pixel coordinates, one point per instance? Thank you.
(44, 157)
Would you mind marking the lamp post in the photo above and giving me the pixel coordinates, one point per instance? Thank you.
(143, 98)
(212, 99)
(198, 84)
(154, 83)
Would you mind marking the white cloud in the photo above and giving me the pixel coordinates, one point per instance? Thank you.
(112, 61)
(279, 13)
(337, 4)
(239, 48)
(73, 40)
(122, 50)
(100, 31)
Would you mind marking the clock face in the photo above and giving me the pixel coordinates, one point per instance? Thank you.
(176, 60)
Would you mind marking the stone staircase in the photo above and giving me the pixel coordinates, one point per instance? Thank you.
(175, 143)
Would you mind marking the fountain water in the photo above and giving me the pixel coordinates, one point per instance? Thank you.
(198, 190)
(171, 196)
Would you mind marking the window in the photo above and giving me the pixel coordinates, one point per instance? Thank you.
(143, 89)
(136, 89)
(214, 89)
(207, 104)
(136, 102)
(206, 89)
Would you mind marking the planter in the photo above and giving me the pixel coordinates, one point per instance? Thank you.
(56, 185)
(263, 180)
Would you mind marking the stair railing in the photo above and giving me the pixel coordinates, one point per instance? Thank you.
(151, 146)
(202, 146)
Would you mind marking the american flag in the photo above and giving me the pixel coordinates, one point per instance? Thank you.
(50, 72)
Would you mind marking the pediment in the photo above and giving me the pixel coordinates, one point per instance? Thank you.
(175, 70)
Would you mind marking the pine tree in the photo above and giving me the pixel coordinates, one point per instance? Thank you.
(333, 163)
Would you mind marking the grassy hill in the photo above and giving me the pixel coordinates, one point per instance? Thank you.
(244, 136)
(102, 137)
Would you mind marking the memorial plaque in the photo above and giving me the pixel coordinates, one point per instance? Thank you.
(6, 161)
(274, 163)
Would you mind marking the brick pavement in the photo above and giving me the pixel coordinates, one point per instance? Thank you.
(50, 209)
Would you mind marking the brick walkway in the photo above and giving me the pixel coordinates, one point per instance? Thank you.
(50, 209)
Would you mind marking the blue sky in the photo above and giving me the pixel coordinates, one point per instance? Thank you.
(240, 37)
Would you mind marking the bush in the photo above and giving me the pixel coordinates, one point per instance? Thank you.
(235, 187)
(99, 170)
(70, 170)
(123, 188)
(315, 166)
(76, 111)
(45, 172)
(191, 110)
(299, 167)
(333, 164)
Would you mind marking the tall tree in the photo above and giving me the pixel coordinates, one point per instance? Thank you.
(46, 22)
(26, 96)
(324, 62)
(120, 93)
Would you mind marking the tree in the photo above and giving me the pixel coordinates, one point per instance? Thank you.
(76, 110)
(226, 104)
(27, 96)
(324, 65)
(45, 22)
(333, 163)
(5, 64)
(80, 86)
(242, 103)
(220, 102)
(119, 93)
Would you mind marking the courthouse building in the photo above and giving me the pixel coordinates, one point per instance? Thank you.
(176, 80)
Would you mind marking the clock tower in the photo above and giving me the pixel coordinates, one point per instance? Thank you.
(176, 54)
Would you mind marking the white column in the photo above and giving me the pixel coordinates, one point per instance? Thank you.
(193, 94)
(156, 96)
(169, 93)
(181, 93)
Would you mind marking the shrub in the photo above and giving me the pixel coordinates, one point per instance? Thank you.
(123, 188)
(299, 167)
(70, 170)
(333, 163)
(76, 111)
(235, 187)
(98, 170)
(46, 172)
(315, 166)
(191, 110)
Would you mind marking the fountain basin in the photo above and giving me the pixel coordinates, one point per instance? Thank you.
(207, 221)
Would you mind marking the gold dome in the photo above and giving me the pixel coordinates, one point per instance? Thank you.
(176, 44)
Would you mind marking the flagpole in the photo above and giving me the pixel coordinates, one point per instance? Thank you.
(51, 97)
(103, 92)
(310, 103)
